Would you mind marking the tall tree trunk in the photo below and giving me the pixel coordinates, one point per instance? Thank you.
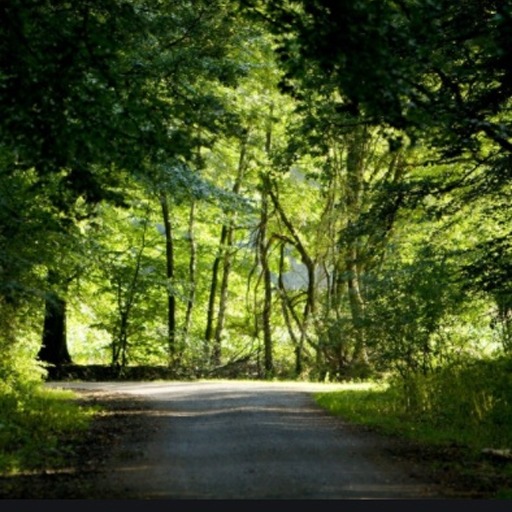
(191, 272)
(127, 292)
(223, 294)
(120, 349)
(287, 311)
(227, 255)
(264, 248)
(171, 301)
(355, 163)
(264, 245)
(208, 335)
(223, 258)
(54, 348)
(357, 308)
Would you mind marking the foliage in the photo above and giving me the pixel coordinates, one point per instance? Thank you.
(364, 402)
(19, 372)
(290, 189)
(471, 396)
(407, 307)
(435, 68)
(438, 74)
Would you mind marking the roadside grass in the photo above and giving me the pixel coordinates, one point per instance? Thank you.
(375, 405)
(467, 407)
(33, 425)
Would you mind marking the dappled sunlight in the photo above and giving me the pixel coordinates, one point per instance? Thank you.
(230, 439)
(230, 411)
(193, 194)
(47, 471)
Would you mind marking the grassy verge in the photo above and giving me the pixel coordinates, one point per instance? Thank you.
(32, 427)
(463, 409)
(376, 405)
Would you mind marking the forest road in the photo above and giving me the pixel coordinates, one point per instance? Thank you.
(251, 440)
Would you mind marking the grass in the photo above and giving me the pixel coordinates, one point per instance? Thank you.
(457, 411)
(468, 403)
(375, 405)
(33, 426)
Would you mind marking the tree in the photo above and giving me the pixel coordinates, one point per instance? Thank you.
(169, 274)
(293, 239)
(82, 83)
(129, 278)
(436, 77)
(62, 120)
(224, 258)
(54, 348)
(435, 68)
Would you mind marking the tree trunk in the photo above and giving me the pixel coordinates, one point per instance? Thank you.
(191, 272)
(267, 284)
(208, 335)
(223, 296)
(223, 257)
(264, 246)
(54, 348)
(287, 310)
(356, 152)
(357, 309)
(127, 292)
(171, 301)
(227, 250)
(120, 348)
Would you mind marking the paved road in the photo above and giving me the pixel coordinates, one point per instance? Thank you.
(253, 440)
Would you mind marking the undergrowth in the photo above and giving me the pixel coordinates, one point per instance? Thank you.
(467, 404)
(31, 429)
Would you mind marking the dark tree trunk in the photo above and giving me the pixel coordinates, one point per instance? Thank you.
(227, 253)
(171, 301)
(223, 295)
(191, 271)
(263, 250)
(208, 335)
(223, 257)
(54, 348)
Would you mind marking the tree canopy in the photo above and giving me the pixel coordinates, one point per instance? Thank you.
(313, 189)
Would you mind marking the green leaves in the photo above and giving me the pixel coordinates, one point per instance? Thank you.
(432, 68)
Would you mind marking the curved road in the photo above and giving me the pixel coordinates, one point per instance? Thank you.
(252, 440)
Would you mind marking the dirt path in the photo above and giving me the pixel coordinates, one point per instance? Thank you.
(247, 440)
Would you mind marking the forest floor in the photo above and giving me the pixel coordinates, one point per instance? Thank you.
(123, 422)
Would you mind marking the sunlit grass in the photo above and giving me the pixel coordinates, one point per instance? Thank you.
(32, 428)
(469, 405)
(379, 408)
(367, 403)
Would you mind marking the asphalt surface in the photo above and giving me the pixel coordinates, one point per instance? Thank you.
(252, 440)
